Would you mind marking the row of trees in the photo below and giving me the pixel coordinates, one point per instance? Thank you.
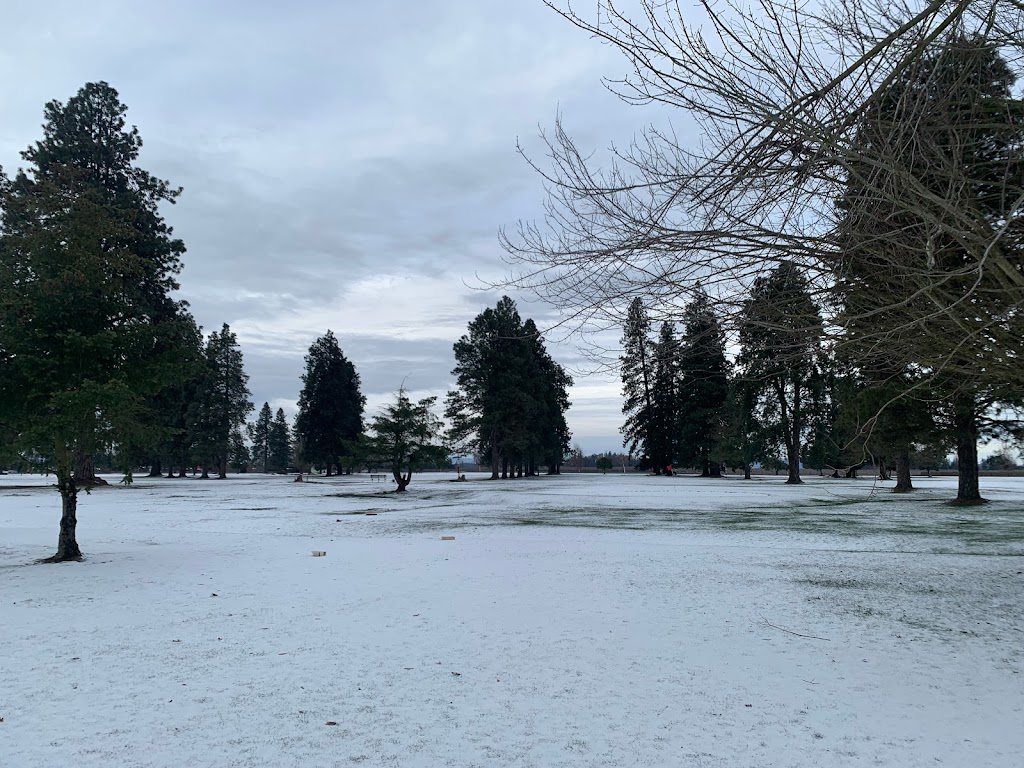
(874, 151)
(96, 355)
(784, 401)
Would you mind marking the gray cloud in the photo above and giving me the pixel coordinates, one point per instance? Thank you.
(345, 165)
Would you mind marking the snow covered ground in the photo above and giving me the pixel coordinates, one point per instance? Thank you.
(573, 621)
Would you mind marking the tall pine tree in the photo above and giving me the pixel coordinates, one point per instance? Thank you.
(780, 342)
(223, 402)
(703, 387)
(259, 434)
(87, 266)
(330, 419)
(279, 443)
(637, 371)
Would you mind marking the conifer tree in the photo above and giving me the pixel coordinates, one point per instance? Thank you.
(665, 399)
(932, 239)
(637, 372)
(779, 349)
(279, 443)
(406, 438)
(259, 434)
(330, 418)
(511, 395)
(703, 387)
(87, 266)
(222, 404)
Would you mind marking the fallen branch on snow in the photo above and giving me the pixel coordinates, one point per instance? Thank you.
(791, 632)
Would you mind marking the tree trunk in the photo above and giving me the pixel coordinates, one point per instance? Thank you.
(746, 471)
(183, 472)
(85, 471)
(903, 482)
(222, 468)
(206, 473)
(170, 472)
(401, 481)
(716, 469)
(156, 470)
(966, 427)
(793, 441)
(67, 544)
(883, 469)
(495, 457)
(793, 457)
(705, 468)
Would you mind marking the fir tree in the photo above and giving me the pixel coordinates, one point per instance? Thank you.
(330, 418)
(223, 402)
(406, 438)
(259, 434)
(703, 388)
(279, 443)
(637, 371)
(87, 266)
(779, 349)
(664, 399)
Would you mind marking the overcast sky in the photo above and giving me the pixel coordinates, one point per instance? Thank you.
(345, 165)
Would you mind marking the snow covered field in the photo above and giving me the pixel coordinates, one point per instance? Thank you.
(573, 621)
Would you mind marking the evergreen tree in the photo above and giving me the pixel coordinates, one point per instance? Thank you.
(512, 395)
(742, 433)
(664, 399)
(259, 434)
(703, 388)
(493, 368)
(637, 371)
(87, 266)
(279, 443)
(222, 404)
(779, 349)
(931, 241)
(330, 418)
(552, 436)
(406, 438)
(238, 452)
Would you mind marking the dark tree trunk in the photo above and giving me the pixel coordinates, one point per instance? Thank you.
(495, 457)
(705, 468)
(793, 439)
(793, 457)
(716, 469)
(183, 472)
(170, 472)
(156, 470)
(206, 473)
(966, 427)
(504, 469)
(401, 481)
(903, 482)
(67, 544)
(222, 468)
(746, 471)
(883, 469)
(85, 471)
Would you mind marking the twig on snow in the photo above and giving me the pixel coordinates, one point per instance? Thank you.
(791, 632)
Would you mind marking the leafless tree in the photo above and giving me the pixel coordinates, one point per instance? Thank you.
(780, 93)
